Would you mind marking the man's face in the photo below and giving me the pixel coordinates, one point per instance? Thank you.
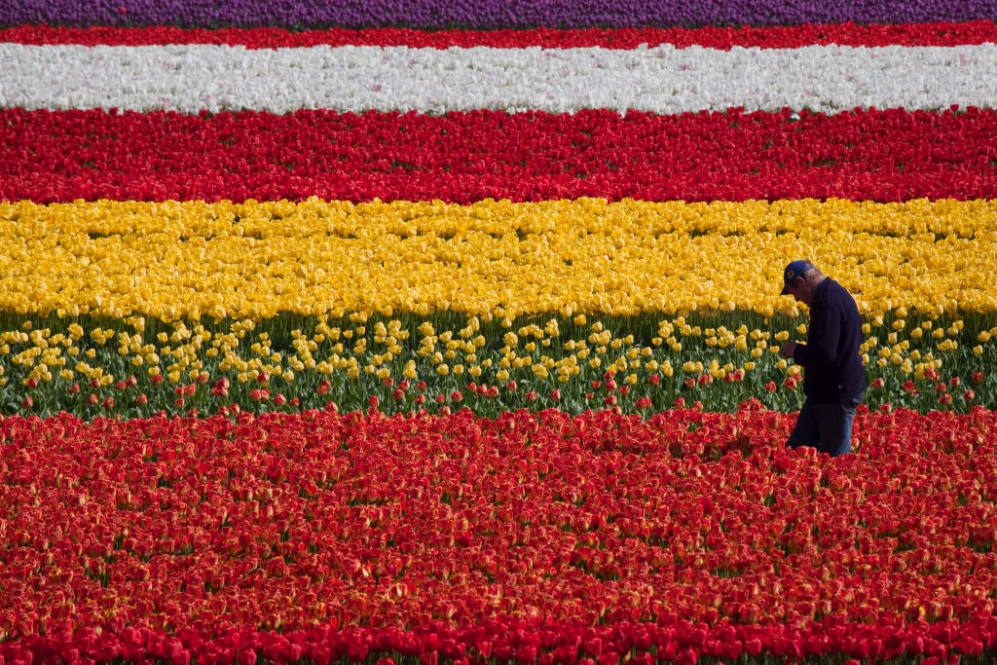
(798, 289)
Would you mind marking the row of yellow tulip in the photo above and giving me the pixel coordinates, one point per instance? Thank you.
(493, 259)
(393, 350)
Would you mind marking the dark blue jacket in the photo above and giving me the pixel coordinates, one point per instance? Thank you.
(832, 365)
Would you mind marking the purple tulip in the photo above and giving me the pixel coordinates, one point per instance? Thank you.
(485, 14)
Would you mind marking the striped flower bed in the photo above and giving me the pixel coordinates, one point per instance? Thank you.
(418, 331)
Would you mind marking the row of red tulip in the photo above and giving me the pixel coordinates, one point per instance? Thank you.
(467, 156)
(519, 642)
(363, 519)
(848, 34)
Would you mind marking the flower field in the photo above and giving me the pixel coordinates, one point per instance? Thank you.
(408, 331)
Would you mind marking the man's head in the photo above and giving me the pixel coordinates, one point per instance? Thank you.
(800, 279)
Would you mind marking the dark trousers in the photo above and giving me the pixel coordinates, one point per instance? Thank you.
(826, 427)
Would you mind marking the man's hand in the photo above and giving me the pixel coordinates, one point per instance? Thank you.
(787, 349)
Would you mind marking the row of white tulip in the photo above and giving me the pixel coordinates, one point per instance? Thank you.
(194, 77)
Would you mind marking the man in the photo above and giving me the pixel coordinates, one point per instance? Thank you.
(833, 377)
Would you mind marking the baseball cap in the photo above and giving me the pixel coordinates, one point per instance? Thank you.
(794, 270)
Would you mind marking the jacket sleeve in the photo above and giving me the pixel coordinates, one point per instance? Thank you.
(821, 348)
